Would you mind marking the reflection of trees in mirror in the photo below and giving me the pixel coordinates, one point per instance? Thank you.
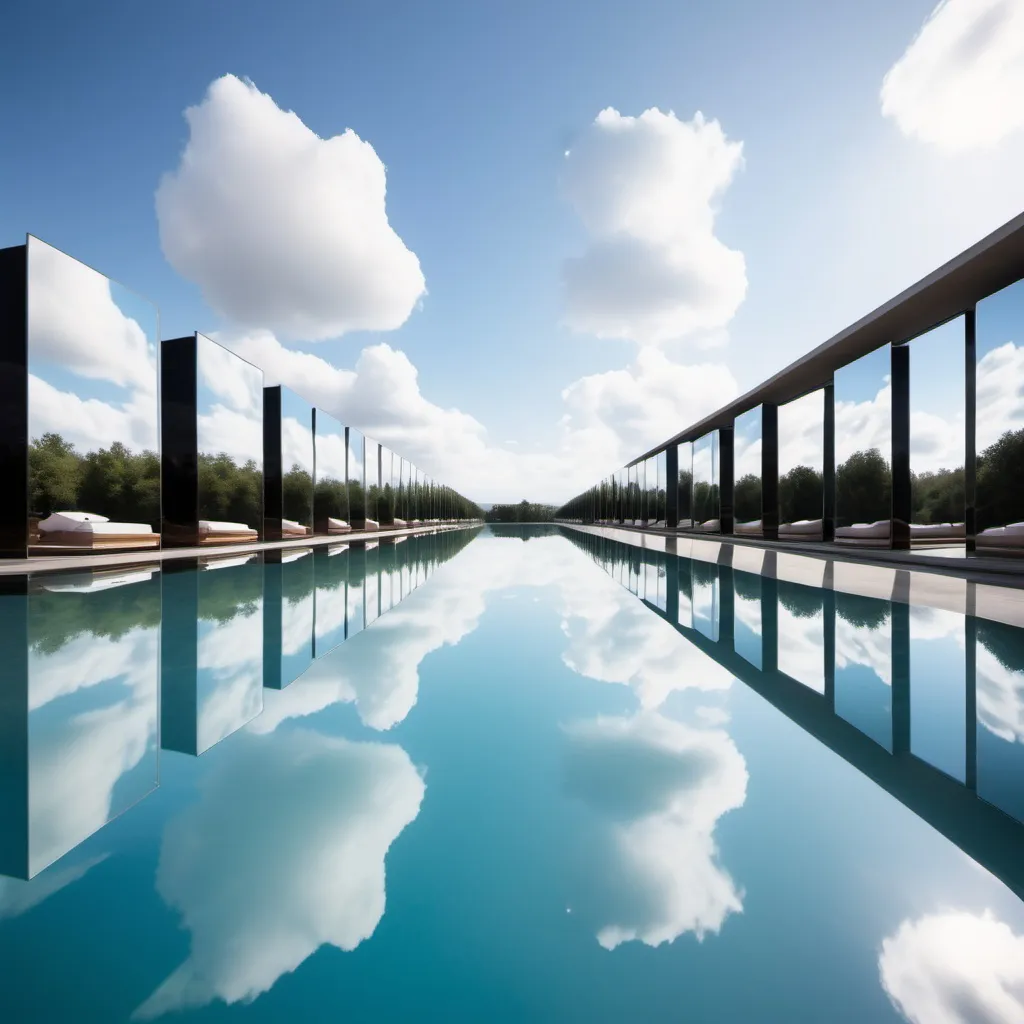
(230, 492)
(1000, 488)
(524, 512)
(938, 497)
(297, 499)
(803, 602)
(748, 585)
(863, 612)
(863, 488)
(747, 498)
(224, 594)
(801, 495)
(1005, 643)
(123, 486)
(705, 501)
(386, 505)
(57, 619)
(330, 500)
(356, 501)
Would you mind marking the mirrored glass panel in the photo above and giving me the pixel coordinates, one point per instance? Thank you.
(229, 439)
(1000, 422)
(79, 715)
(93, 416)
(372, 483)
(801, 629)
(864, 665)
(211, 650)
(296, 465)
(330, 497)
(684, 484)
(999, 674)
(747, 481)
(863, 450)
(747, 629)
(801, 461)
(356, 476)
(705, 482)
(390, 473)
(937, 416)
(651, 490)
(938, 689)
(288, 616)
(661, 465)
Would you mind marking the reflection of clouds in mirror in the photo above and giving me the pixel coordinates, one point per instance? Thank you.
(863, 425)
(871, 648)
(76, 759)
(237, 383)
(74, 324)
(18, 896)
(662, 786)
(296, 445)
(283, 852)
(1000, 402)
(330, 449)
(88, 423)
(802, 433)
(954, 968)
(230, 658)
(223, 431)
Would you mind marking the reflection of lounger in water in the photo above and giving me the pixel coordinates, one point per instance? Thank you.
(215, 532)
(88, 531)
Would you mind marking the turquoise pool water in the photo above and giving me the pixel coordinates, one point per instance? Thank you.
(518, 774)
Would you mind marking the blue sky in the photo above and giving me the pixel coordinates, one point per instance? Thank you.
(471, 107)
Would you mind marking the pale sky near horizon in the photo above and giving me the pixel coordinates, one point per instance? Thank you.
(519, 244)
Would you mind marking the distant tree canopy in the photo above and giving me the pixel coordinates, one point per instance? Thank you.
(863, 488)
(524, 512)
(230, 492)
(297, 496)
(801, 495)
(747, 498)
(1000, 487)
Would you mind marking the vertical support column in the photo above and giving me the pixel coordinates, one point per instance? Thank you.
(726, 483)
(970, 428)
(902, 498)
(273, 465)
(770, 471)
(828, 465)
(900, 677)
(14, 509)
(672, 486)
(179, 456)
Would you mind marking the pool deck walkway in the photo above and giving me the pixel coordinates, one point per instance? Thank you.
(112, 559)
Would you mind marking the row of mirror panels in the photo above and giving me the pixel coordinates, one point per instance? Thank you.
(102, 669)
(94, 428)
(940, 424)
(945, 688)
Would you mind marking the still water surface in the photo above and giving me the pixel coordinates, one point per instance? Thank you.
(514, 775)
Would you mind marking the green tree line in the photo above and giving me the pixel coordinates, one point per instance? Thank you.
(523, 512)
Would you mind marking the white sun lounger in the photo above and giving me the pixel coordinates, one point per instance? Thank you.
(93, 532)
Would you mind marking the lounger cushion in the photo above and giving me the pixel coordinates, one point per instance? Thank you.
(878, 530)
(1009, 536)
(69, 520)
(801, 528)
(372, 524)
(711, 524)
(60, 523)
(754, 526)
(216, 526)
(942, 530)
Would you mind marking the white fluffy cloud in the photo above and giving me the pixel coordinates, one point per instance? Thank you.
(960, 83)
(955, 968)
(645, 189)
(283, 852)
(282, 229)
(1000, 400)
(661, 786)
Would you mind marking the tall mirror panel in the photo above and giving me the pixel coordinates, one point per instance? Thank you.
(801, 467)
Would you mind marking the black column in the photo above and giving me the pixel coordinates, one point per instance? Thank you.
(14, 743)
(900, 677)
(970, 428)
(14, 509)
(828, 465)
(179, 460)
(273, 470)
(672, 486)
(726, 484)
(971, 704)
(770, 471)
(902, 498)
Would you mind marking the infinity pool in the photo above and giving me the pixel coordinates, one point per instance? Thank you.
(518, 774)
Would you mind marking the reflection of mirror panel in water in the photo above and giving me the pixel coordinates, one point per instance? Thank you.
(211, 651)
(93, 416)
(1000, 422)
(372, 599)
(705, 599)
(79, 725)
(801, 628)
(747, 628)
(229, 443)
(330, 490)
(999, 668)
(747, 472)
(864, 665)
(355, 595)
(801, 465)
(863, 400)
(331, 571)
(289, 613)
